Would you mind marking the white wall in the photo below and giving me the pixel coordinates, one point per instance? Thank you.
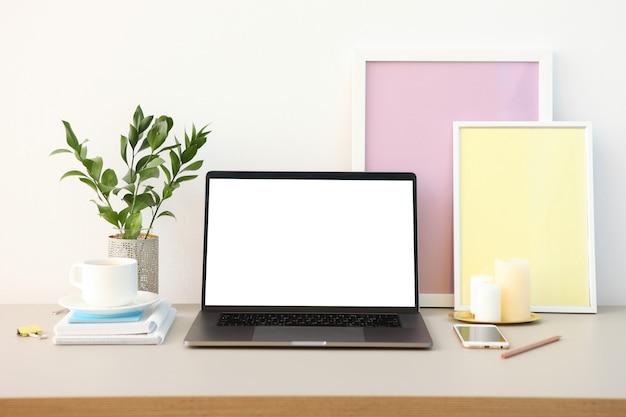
(273, 78)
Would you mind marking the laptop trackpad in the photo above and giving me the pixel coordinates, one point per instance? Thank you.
(308, 334)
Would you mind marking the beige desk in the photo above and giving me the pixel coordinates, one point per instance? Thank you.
(583, 374)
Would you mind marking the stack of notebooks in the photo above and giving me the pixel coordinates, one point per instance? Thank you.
(145, 327)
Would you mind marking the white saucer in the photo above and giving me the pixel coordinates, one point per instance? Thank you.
(75, 302)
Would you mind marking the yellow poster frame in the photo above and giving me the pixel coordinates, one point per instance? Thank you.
(525, 190)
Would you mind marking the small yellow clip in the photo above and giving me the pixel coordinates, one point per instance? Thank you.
(32, 331)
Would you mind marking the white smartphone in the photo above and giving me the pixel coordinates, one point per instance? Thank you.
(481, 336)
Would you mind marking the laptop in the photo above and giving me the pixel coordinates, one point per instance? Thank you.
(310, 259)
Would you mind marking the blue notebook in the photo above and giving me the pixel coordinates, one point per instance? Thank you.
(81, 317)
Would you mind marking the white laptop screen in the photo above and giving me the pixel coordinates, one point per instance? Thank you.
(310, 242)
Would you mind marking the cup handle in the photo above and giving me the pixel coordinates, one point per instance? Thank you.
(75, 276)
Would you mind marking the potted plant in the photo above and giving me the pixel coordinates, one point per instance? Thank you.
(122, 200)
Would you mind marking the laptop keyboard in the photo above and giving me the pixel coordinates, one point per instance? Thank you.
(309, 319)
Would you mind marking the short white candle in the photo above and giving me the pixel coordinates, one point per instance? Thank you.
(474, 282)
(513, 277)
(488, 308)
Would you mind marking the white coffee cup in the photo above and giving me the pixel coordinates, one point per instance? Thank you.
(106, 282)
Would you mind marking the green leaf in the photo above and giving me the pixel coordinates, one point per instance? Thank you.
(175, 163)
(101, 208)
(157, 198)
(131, 234)
(110, 218)
(143, 201)
(168, 174)
(123, 215)
(104, 189)
(145, 123)
(70, 137)
(167, 191)
(166, 214)
(141, 164)
(155, 162)
(132, 227)
(147, 173)
(108, 214)
(74, 174)
(170, 122)
(133, 136)
(158, 133)
(201, 137)
(134, 220)
(109, 178)
(189, 153)
(193, 166)
(199, 141)
(128, 187)
(167, 149)
(185, 178)
(138, 116)
(89, 182)
(81, 152)
(144, 145)
(58, 151)
(128, 199)
(123, 147)
(187, 139)
(130, 177)
(94, 167)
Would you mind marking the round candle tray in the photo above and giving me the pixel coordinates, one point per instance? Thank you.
(468, 317)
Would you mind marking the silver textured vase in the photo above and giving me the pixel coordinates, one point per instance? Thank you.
(146, 251)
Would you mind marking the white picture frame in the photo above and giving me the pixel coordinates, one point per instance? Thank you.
(525, 190)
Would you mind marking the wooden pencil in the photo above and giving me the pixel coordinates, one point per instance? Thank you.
(526, 348)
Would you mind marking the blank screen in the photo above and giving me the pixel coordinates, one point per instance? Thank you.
(310, 242)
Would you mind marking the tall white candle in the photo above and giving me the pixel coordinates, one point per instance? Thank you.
(513, 277)
(474, 282)
(488, 307)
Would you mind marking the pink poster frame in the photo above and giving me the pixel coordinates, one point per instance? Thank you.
(399, 94)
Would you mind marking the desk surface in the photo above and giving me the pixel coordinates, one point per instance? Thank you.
(588, 362)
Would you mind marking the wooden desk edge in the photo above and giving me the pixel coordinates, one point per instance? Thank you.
(305, 406)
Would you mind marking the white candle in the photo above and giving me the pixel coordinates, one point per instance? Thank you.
(488, 308)
(513, 277)
(474, 282)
